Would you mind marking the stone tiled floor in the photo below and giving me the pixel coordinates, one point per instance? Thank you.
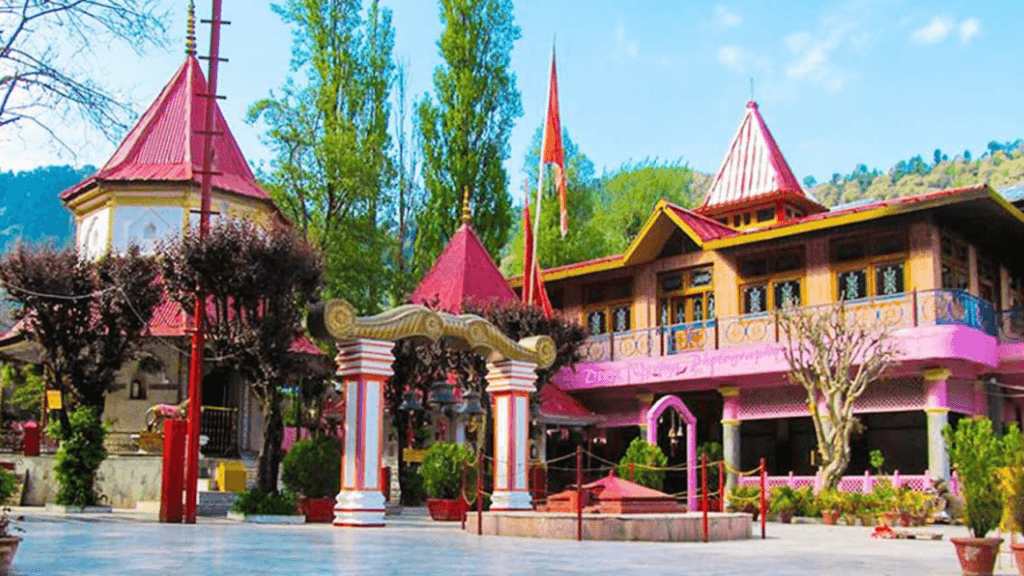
(123, 543)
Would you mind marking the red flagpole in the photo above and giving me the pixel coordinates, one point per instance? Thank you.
(195, 385)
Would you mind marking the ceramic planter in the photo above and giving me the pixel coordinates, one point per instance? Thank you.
(786, 517)
(444, 510)
(830, 516)
(8, 546)
(977, 555)
(319, 510)
(1018, 556)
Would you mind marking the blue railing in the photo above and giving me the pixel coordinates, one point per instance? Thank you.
(898, 311)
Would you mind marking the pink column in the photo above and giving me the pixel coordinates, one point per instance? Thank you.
(936, 407)
(510, 384)
(365, 366)
(980, 399)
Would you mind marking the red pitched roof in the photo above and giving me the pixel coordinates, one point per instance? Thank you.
(703, 226)
(463, 272)
(555, 402)
(164, 147)
(753, 169)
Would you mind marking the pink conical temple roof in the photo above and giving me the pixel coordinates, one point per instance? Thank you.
(463, 272)
(754, 169)
(164, 145)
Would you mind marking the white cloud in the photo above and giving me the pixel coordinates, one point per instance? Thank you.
(725, 19)
(935, 31)
(732, 56)
(812, 54)
(626, 44)
(969, 29)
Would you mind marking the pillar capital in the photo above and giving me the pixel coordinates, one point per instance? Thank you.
(646, 398)
(365, 357)
(730, 422)
(936, 410)
(936, 374)
(511, 376)
(729, 391)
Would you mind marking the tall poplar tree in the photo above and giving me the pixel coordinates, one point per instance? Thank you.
(465, 126)
(332, 172)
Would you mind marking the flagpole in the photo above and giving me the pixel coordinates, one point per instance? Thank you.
(528, 259)
(540, 172)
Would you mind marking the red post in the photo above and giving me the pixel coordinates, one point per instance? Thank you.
(479, 492)
(172, 482)
(462, 495)
(579, 493)
(704, 493)
(30, 438)
(764, 496)
(195, 386)
(721, 485)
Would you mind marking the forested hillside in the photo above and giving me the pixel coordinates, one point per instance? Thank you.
(1000, 166)
(31, 205)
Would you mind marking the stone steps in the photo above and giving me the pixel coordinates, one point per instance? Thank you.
(214, 503)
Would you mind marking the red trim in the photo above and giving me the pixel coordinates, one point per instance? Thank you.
(513, 442)
(360, 434)
(351, 525)
(380, 435)
(344, 452)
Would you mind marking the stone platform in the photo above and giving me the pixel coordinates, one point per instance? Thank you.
(680, 527)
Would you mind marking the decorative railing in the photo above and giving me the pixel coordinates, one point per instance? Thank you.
(220, 426)
(863, 483)
(1011, 325)
(907, 310)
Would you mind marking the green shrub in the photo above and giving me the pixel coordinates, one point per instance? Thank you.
(257, 502)
(805, 504)
(646, 459)
(745, 498)
(442, 470)
(977, 453)
(829, 500)
(8, 485)
(1013, 478)
(80, 454)
(312, 467)
(784, 500)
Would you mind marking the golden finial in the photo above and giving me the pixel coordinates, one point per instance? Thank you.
(465, 206)
(190, 34)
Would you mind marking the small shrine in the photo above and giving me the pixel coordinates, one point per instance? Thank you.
(614, 495)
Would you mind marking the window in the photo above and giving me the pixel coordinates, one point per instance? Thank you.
(765, 215)
(686, 296)
(137, 390)
(736, 221)
(746, 219)
(771, 281)
(608, 306)
(871, 265)
(954, 263)
(724, 221)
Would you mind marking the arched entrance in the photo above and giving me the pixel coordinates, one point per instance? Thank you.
(673, 403)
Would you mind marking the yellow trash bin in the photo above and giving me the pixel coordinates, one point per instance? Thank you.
(230, 476)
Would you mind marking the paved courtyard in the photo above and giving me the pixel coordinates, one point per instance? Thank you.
(135, 544)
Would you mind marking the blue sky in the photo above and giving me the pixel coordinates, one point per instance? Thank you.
(838, 84)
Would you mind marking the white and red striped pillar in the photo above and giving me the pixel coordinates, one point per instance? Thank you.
(510, 383)
(364, 366)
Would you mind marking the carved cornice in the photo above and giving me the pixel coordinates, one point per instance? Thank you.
(337, 320)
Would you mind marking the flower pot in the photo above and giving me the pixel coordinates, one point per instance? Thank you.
(445, 510)
(868, 519)
(888, 519)
(830, 516)
(8, 546)
(319, 510)
(786, 517)
(1018, 556)
(755, 512)
(977, 555)
(906, 520)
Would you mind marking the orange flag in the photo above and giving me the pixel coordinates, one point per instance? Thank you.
(551, 147)
(533, 284)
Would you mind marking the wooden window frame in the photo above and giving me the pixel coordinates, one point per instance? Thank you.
(772, 278)
(870, 262)
(954, 263)
(685, 291)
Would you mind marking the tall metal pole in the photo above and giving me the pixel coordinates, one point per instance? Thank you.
(195, 385)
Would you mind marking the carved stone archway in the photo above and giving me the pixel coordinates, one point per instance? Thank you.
(364, 364)
(651, 419)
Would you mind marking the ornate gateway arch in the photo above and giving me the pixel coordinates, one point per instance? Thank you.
(364, 363)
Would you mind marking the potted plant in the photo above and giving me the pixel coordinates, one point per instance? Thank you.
(746, 499)
(265, 508)
(868, 509)
(442, 472)
(785, 503)
(1013, 485)
(885, 498)
(8, 542)
(977, 453)
(312, 469)
(830, 503)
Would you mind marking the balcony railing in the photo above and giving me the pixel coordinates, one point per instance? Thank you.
(907, 310)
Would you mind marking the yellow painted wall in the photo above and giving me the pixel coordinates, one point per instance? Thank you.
(925, 270)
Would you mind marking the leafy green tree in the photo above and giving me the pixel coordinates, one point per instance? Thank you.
(328, 128)
(810, 181)
(633, 191)
(967, 155)
(584, 240)
(23, 387)
(644, 464)
(257, 284)
(465, 126)
(32, 209)
(79, 456)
